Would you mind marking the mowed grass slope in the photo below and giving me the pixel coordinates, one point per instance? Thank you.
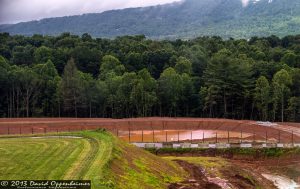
(97, 156)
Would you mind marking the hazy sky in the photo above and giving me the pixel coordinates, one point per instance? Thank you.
(13, 11)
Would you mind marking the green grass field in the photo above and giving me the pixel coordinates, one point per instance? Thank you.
(97, 156)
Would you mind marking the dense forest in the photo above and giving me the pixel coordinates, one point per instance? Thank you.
(132, 76)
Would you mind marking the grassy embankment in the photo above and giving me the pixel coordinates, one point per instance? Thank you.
(228, 152)
(97, 156)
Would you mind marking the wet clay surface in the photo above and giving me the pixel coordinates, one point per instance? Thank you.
(234, 176)
(197, 178)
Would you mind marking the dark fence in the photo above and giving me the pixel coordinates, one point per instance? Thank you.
(192, 136)
(163, 130)
(206, 136)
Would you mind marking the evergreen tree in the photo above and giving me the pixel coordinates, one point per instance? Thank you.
(71, 90)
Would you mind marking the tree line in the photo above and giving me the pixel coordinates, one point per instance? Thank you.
(132, 76)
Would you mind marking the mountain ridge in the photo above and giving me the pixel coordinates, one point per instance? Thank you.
(183, 19)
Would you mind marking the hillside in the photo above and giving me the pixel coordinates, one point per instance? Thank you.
(184, 19)
(96, 156)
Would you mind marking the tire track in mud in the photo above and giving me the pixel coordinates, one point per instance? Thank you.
(197, 178)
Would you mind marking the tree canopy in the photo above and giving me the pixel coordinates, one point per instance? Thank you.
(133, 76)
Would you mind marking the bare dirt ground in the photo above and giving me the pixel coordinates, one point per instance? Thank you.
(197, 178)
(41, 125)
(233, 175)
(237, 172)
(286, 166)
(290, 124)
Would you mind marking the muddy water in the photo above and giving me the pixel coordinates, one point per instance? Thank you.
(183, 135)
(281, 182)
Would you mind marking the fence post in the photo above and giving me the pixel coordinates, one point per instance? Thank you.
(216, 137)
(142, 135)
(152, 135)
(228, 137)
(129, 135)
(266, 137)
(241, 136)
(178, 137)
(166, 136)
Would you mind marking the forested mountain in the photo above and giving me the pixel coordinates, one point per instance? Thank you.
(184, 19)
(133, 76)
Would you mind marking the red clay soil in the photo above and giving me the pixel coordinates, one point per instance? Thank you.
(289, 124)
(43, 125)
(232, 174)
(240, 171)
(288, 167)
(197, 178)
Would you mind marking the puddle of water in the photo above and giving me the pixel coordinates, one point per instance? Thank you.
(281, 182)
(175, 135)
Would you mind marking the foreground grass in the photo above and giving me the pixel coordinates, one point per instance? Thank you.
(27, 158)
(96, 156)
